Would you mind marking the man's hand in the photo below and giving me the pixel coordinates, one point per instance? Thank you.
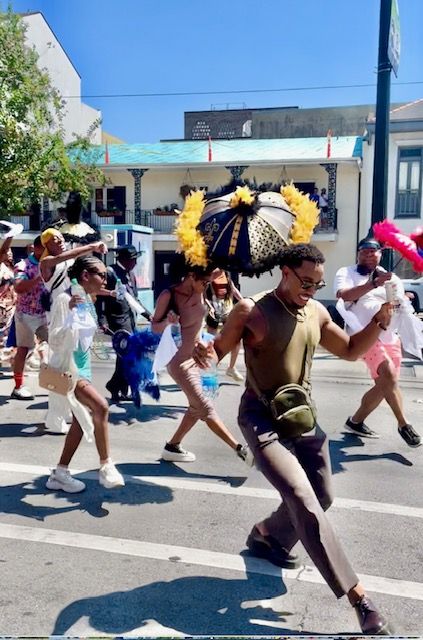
(105, 329)
(204, 354)
(380, 279)
(383, 316)
(99, 247)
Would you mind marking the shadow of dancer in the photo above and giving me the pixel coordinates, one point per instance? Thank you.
(192, 605)
(339, 457)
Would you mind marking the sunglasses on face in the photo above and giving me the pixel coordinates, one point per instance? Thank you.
(309, 285)
(101, 274)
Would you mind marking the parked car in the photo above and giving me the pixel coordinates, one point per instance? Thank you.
(416, 288)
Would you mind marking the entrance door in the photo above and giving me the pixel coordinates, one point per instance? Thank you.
(162, 262)
(306, 187)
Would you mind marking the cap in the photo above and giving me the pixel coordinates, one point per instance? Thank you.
(368, 243)
(128, 252)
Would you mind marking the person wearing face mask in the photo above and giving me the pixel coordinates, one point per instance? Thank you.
(360, 290)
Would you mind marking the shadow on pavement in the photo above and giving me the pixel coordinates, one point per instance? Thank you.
(16, 499)
(166, 469)
(26, 431)
(147, 413)
(198, 605)
(339, 457)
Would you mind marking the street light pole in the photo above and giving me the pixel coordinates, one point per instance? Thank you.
(381, 156)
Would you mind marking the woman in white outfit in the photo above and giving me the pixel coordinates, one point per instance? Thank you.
(70, 337)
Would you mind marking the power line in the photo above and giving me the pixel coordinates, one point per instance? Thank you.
(235, 91)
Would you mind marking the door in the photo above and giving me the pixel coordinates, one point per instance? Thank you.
(162, 279)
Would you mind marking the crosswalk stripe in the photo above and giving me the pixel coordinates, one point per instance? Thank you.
(193, 556)
(213, 487)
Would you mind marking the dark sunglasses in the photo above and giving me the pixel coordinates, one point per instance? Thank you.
(101, 274)
(309, 285)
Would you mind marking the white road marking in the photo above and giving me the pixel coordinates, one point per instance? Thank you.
(214, 487)
(202, 557)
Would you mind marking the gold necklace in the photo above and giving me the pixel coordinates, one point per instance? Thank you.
(297, 316)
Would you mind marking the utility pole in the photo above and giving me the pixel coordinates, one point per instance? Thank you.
(388, 54)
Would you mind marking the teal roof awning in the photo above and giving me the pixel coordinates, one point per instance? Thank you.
(244, 151)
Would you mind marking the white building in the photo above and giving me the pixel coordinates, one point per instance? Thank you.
(79, 117)
(404, 207)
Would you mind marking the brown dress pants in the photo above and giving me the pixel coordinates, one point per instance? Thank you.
(300, 470)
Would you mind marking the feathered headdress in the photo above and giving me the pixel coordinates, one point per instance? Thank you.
(410, 247)
(244, 230)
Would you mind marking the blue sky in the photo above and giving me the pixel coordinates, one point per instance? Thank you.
(156, 46)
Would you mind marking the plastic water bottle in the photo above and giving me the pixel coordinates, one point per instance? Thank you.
(78, 290)
(176, 334)
(209, 376)
(120, 290)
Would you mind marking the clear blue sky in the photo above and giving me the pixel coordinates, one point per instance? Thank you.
(147, 46)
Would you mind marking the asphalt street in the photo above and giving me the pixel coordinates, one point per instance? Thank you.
(166, 554)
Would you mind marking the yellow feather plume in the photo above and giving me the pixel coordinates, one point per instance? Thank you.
(305, 211)
(242, 195)
(191, 242)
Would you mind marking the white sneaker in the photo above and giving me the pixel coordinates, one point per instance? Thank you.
(244, 452)
(21, 394)
(61, 479)
(109, 476)
(234, 374)
(175, 453)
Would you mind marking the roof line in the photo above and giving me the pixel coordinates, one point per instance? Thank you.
(34, 13)
(408, 104)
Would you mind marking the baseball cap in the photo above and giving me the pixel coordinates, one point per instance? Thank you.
(128, 252)
(368, 243)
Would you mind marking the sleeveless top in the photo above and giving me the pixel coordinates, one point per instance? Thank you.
(280, 358)
(191, 310)
(59, 281)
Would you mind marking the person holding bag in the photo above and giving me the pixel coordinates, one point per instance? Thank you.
(72, 326)
(280, 330)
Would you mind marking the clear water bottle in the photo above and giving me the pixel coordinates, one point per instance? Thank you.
(120, 290)
(176, 334)
(78, 290)
(209, 376)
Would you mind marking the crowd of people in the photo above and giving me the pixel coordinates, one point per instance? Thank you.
(277, 415)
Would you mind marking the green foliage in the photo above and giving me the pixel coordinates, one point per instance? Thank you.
(34, 159)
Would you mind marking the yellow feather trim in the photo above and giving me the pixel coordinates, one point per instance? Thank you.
(242, 195)
(191, 241)
(306, 214)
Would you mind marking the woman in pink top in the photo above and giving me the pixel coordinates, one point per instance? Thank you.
(184, 303)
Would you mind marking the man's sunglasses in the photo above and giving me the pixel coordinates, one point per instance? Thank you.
(309, 285)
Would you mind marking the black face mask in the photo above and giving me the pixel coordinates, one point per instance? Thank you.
(363, 269)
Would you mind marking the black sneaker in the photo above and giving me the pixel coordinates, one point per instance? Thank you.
(360, 429)
(410, 436)
(269, 548)
(371, 621)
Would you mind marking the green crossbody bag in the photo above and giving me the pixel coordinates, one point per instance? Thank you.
(292, 408)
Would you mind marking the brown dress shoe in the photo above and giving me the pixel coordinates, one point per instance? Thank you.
(372, 623)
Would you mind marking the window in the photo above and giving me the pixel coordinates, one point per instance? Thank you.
(110, 199)
(409, 183)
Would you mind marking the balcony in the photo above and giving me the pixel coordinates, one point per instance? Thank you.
(161, 223)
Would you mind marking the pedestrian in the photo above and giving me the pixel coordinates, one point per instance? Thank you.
(69, 342)
(7, 290)
(30, 317)
(55, 263)
(115, 313)
(280, 331)
(315, 196)
(220, 296)
(56, 260)
(360, 288)
(184, 303)
(323, 201)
